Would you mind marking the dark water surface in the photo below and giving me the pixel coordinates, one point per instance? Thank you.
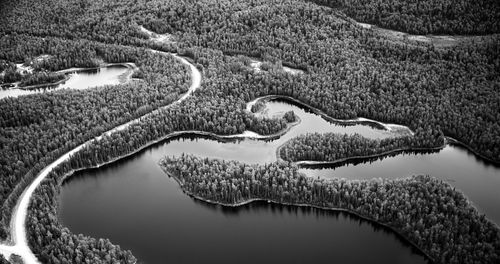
(78, 80)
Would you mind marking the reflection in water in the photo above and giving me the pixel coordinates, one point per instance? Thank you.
(477, 179)
(111, 75)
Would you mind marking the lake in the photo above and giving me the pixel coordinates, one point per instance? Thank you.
(134, 204)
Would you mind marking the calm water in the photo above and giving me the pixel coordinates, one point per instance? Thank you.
(78, 80)
(477, 179)
(134, 204)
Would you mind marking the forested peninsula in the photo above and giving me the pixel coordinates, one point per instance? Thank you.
(429, 212)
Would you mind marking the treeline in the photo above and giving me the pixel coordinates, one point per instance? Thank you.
(37, 129)
(427, 211)
(55, 244)
(331, 147)
(64, 53)
(42, 78)
(466, 17)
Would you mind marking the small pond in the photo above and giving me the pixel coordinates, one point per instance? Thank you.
(81, 79)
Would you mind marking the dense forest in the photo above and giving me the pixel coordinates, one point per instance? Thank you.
(37, 129)
(41, 78)
(349, 72)
(9, 72)
(427, 211)
(424, 16)
(332, 147)
(12, 74)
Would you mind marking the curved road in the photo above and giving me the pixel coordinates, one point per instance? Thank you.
(19, 244)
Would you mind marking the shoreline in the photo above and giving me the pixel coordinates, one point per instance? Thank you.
(336, 209)
(358, 120)
(131, 68)
(182, 133)
(378, 155)
(377, 124)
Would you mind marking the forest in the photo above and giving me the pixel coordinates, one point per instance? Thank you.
(363, 74)
(439, 17)
(349, 72)
(332, 147)
(427, 211)
(10, 74)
